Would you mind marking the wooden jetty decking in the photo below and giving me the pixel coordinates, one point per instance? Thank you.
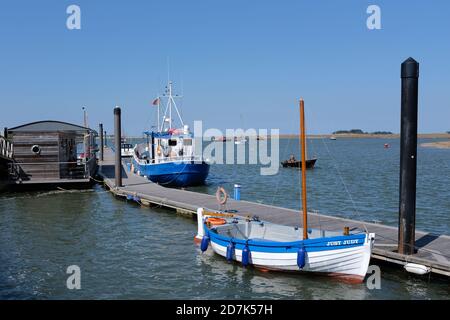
(432, 250)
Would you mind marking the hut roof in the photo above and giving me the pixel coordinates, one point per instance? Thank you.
(51, 126)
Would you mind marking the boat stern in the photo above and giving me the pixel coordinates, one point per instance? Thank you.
(200, 229)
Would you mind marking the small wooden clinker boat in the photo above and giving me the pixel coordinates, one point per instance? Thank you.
(286, 248)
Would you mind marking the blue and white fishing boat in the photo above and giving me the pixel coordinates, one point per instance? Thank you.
(168, 157)
(285, 248)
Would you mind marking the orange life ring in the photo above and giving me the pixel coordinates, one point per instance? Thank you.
(221, 195)
(216, 221)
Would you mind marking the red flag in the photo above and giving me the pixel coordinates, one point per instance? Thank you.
(155, 102)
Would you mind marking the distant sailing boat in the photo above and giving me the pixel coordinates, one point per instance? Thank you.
(242, 139)
(277, 247)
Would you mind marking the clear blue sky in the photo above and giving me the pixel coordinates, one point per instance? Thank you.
(239, 63)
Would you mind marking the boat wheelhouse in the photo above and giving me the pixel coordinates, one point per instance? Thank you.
(126, 150)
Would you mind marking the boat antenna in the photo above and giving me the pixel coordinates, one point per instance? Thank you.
(168, 69)
(170, 104)
(303, 153)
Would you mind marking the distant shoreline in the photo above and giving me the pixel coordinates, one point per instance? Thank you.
(368, 135)
(439, 144)
(352, 135)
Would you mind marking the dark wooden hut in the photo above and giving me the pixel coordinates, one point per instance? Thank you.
(52, 152)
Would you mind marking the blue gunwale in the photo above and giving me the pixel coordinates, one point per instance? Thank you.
(311, 245)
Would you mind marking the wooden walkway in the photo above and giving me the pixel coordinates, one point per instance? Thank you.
(432, 250)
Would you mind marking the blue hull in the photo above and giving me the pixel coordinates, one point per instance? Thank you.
(174, 174)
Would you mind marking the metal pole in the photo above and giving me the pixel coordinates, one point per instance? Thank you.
(408, 156)
(117, 138)
(100, 129)
(153, 147)
(157, 119)
(105, 137)
(87, 146)
(303, 151)
(84, 117)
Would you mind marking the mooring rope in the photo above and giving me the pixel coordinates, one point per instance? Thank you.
(278, 180)
(290, 138)
(355, 209)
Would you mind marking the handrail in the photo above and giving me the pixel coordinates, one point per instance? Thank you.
(84, 165)
(6, 148)
(169, 159)
(50, 162)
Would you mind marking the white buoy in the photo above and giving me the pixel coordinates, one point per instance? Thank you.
(417, 268)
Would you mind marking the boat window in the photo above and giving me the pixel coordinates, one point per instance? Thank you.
(36, 149)
(172, 142)
(187, 142)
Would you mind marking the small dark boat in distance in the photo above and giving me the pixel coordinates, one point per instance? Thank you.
(298, 164)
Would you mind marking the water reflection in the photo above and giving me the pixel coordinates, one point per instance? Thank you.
(254, 283)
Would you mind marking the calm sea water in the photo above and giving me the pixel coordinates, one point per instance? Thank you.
(130, 252)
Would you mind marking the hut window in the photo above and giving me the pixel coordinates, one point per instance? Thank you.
(36, 149)
(172, 142)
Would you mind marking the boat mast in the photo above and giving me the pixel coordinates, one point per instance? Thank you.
(170, 103)
(303, 152)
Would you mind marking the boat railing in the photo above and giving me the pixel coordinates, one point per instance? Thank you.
(170, 159)
(180, 159)
(80, 169)
(6, 148)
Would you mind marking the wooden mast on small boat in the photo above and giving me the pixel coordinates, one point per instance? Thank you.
(303, 153)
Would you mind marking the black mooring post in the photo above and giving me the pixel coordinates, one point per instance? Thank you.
(100, 129)
(408, 156)
(153, 147)
(117, 141)
(105, 137)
